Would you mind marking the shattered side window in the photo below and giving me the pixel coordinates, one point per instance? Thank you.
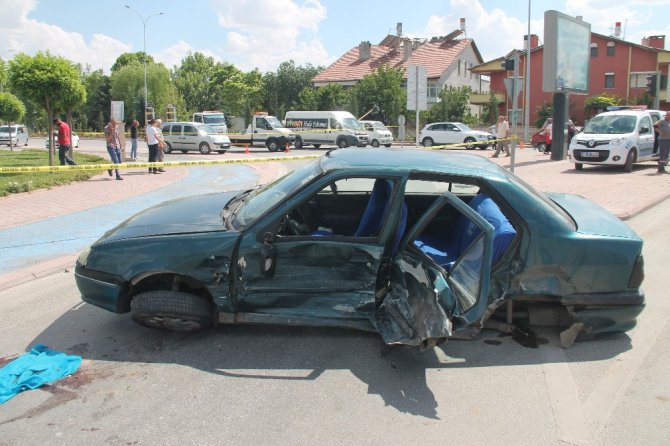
(466, 274)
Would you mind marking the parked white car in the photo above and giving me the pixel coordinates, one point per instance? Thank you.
(439, 133)
(622, 138)
(75, 140)
(19, 135)
(378, 134)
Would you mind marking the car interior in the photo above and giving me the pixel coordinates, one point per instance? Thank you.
(357, 207)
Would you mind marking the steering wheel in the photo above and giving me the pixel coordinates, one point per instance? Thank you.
(297, 224)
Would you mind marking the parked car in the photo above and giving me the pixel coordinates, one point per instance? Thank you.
(621, 138)
(74, 140)
(19, 135)
(187, 136)
(419, 246)
(541, 140)
(441, 133)
(378, 134)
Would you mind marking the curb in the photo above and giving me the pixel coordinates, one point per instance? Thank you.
(37, 271)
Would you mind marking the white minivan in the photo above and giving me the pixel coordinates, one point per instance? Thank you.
(317, 128)
(378, 133)
(622, 137)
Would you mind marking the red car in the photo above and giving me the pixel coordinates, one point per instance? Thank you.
(540, 141)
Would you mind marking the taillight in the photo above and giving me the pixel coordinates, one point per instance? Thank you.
(637, 276)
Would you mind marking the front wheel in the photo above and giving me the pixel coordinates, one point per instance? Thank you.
(184, 151)
(167, 148)
(387, 145)
(374, 143)
(204, 148)
(342, 143)
(542, 147)
(298, 143)
(316, 146)
(469, 143)
(221, 152)
(272, 145)
(630, 159)
(171, 310)
(579, 166)
(427, 142)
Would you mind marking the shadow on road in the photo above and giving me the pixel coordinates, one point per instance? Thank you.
(397, 374)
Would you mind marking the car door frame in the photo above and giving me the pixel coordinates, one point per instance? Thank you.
(262, 284)
(645, 140)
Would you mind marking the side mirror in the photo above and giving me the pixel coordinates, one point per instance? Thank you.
(268, 255)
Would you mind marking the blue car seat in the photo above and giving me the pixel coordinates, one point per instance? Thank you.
(373, 217)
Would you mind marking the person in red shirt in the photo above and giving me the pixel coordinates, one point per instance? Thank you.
(63, 142)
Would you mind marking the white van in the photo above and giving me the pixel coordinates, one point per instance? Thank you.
(378, 133)
(622, 137)
(317, 128)
(213, 118)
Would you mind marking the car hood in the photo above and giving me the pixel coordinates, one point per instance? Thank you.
(195, 214)
(592, 218)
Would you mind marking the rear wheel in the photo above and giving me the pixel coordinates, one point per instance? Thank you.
(204, 148)
(542, 146)
(298, 143)
(387, 145)
(184, 151)
(167, 148)
(427, 142)
(221, 151)
(171, 310)
(630, 159)
(579, 166)
(316, 146)
(469, 143)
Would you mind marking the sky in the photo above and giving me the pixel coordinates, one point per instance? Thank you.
(263, 33)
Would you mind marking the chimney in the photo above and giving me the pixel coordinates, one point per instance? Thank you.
(407, 49)
(534, 41)
(398, 29)
(462, 24)
(657, 42)
(364, 50)
(617, 30)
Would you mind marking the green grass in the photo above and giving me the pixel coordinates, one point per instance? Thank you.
(12, 183)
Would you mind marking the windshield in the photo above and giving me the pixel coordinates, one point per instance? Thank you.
(611, 124)
(214, 119)
(378, 125)
(463, 127)
(274, 122)
(351, 124)
(262, 200)
(5, 129)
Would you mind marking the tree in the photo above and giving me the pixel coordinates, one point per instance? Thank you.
(281, 89)
(45, 80)
(380, 95)
(11, 110)
(131, 58)
(97, 108)
(330, 97)
(3, 75)
(241, 93)
(196, 81)
(454, 105)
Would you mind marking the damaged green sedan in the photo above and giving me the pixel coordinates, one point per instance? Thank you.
(418, 246)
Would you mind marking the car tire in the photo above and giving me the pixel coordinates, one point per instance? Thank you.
(387, 145)
(171, 310)
(342, 143)
(630, 159)
(579, 166)
(427, 142)
(374, 143)
(27, 144)
(221, 152)
(184, 151)
(316, 146)
(272, 145)
(167, 148)
(541, 146)
(469, 143)
(298, 143)
(204, 148)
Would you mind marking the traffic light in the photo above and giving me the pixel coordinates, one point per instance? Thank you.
(651, 85)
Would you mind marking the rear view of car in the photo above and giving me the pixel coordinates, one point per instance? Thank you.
(19, 135)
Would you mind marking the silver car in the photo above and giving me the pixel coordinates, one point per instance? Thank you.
(187, 136)
(19, 135)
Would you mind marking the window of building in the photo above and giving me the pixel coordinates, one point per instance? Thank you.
(639, 80)
(610, 48)
(433, 91)
(594, 50)
(459, 67)
(609, 80)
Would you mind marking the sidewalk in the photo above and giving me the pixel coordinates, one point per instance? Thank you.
(623, 194)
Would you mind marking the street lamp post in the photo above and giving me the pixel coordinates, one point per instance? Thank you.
(144, 53)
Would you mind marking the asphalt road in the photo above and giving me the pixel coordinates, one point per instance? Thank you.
(278, 385)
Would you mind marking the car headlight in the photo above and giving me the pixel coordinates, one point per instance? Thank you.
(83, 257)
(617, 141)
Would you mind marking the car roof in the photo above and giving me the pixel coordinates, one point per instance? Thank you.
(409, 160)
(184, 122)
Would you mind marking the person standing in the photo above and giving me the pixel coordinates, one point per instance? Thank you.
(63, 142)
(113, 145)
(662, 126)
(152, 143)
(160, 155)
(502, 133)
(133, 139)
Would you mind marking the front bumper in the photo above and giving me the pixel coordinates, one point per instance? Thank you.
(100, 289)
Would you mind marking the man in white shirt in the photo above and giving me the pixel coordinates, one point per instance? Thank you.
(152, 142)
(502, 133)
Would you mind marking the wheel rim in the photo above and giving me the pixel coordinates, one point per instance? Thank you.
(469, 143)
(427, 142)
(168, 148)
(375, 143)
(342, 144)
(204, 148)
(272, 146)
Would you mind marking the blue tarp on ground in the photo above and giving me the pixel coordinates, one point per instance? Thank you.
(34, 369)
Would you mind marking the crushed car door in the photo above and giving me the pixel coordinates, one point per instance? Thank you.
(425, 299)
